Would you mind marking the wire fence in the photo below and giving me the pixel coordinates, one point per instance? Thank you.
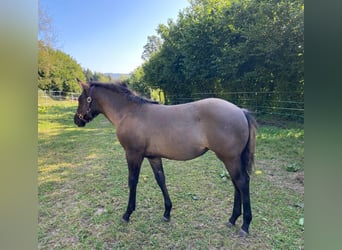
(275, 105)
(46, 97)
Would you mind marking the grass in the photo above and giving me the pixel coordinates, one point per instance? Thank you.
(83, 192)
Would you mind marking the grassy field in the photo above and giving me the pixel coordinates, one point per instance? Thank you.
(83, 192)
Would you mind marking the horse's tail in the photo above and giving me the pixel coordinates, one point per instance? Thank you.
(247, 156)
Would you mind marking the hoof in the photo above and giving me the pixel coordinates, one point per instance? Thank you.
(166, 219)
(229, 224)
(123, 220)
(243, 233)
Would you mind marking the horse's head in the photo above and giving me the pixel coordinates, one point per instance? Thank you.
(86, 110)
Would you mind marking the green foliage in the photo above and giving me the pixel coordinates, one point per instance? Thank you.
(57, 71)
(137, 82)
(152, 46)
(97, 76)
(218, 46)
(158, 95)
(88, 74)
(292, 167)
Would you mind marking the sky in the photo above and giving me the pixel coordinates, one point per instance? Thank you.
(108, 36)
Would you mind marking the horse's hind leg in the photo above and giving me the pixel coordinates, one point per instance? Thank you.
(237, 207)
(240, 179)
(157, 167)
(243, 186)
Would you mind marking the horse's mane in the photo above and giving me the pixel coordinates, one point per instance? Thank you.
(122, 88)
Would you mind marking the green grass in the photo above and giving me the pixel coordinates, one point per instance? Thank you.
(83, 192)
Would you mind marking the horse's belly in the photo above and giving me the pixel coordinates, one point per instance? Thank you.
(174, 148)
(181, 155)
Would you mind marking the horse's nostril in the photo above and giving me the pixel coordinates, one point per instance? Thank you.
(78, 121)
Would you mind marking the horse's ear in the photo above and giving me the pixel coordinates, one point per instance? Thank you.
(83, 85)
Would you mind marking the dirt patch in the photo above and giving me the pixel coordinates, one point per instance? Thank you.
(281, 177)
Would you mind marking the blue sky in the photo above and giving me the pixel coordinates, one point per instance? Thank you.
(109, 35)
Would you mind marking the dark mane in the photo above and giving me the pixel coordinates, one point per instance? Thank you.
(122, 88)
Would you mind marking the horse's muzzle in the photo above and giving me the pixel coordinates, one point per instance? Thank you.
(78, 121)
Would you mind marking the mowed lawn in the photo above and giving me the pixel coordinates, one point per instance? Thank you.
(83, 192)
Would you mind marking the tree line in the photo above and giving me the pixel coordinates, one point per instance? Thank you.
(220, 46)
(58, 71)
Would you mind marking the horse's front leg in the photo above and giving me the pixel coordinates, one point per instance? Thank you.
(157, 166)
(134, 161)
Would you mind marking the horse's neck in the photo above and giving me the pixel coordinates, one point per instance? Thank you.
(114, 106)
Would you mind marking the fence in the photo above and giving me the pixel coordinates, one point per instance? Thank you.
(275, 105)
(47, 97)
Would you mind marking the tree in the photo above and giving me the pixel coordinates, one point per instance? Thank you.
(100, 77)
(152, 46)
(88, 74)
(219, 46)
(46, 32)
(271, 58)
(57, 71)
(136, 82)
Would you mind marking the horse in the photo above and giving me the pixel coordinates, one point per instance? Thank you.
(147, 129)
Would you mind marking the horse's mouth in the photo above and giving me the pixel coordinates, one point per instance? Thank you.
(79, 122)
(82, 124)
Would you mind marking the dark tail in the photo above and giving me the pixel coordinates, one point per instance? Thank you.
(247, 156)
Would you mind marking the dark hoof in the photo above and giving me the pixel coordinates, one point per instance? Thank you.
(123, 220)
(229, 224)
(243, 233)
(166, 219)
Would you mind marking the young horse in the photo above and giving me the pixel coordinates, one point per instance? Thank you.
(149, 130)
